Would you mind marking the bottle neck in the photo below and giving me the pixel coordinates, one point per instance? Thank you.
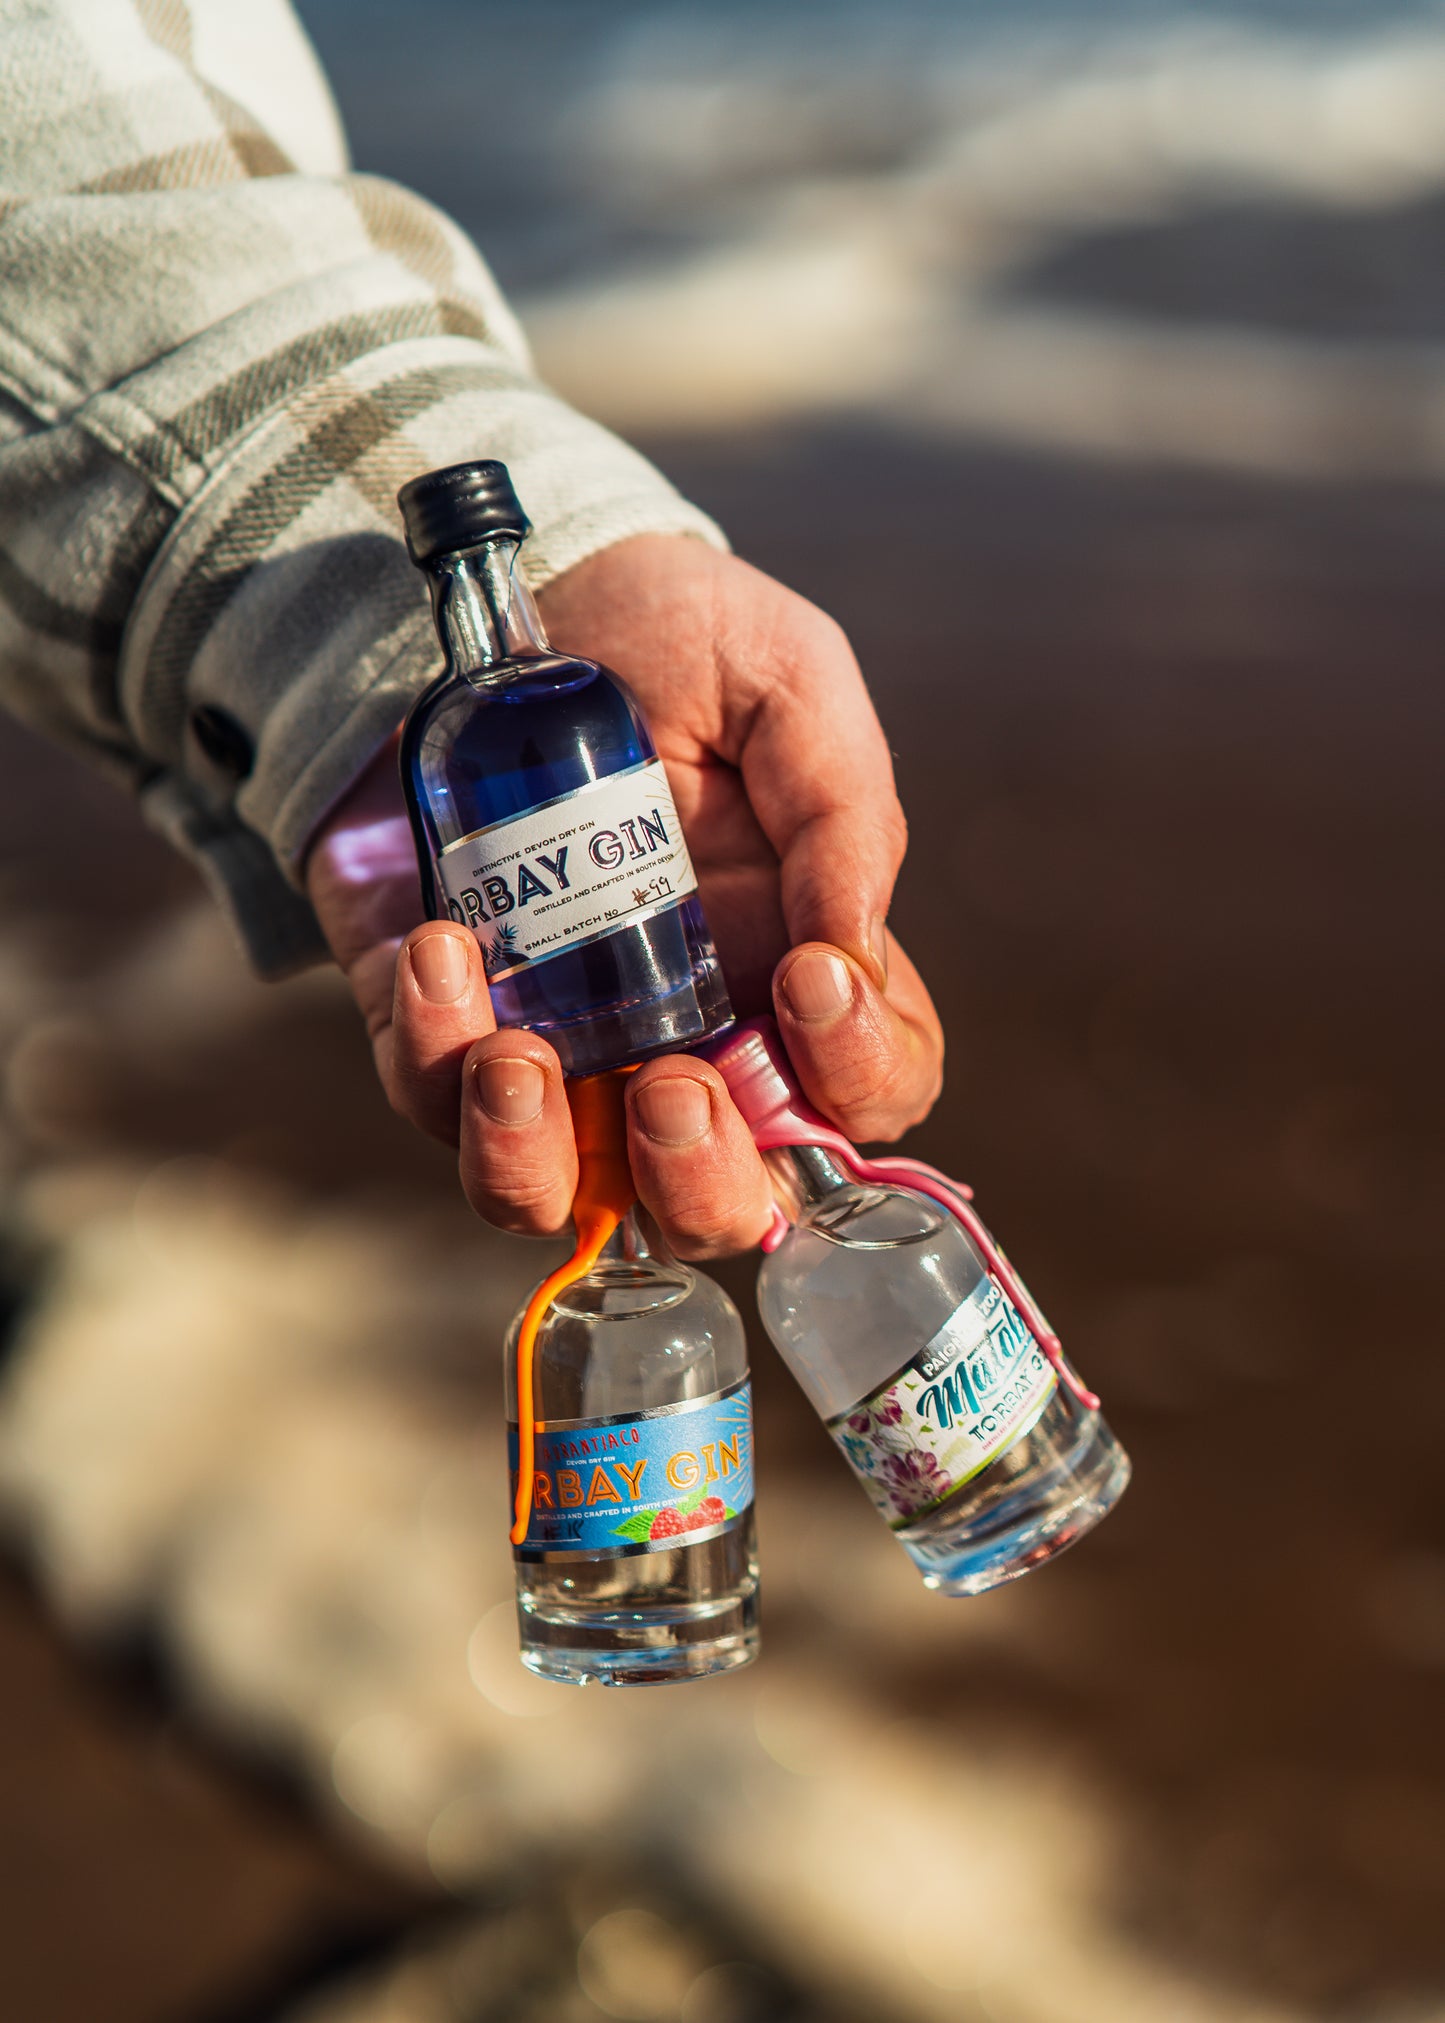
(632, 1242)
(483, 608)
(811, 1174)
(639, 1267)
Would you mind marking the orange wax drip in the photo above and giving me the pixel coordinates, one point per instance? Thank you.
(604, 1194)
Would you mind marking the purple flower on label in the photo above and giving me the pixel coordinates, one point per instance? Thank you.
(915, 1478)
(883, 1412)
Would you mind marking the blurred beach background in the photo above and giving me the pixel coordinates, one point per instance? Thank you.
(1131, 321)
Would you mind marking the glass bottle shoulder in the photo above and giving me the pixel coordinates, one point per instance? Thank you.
(631, 1338)
(860, 1283)
(533, 731)
(869, 1217)
(452, 697)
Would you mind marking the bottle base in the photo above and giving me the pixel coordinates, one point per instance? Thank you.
(652, 987)
(974, 1553)
(620, 1039)
(639, 1647)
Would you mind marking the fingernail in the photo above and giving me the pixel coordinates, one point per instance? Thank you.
(878, 946)
(817, 986)
(439, 964)
(675, 1110)
(511, 1090)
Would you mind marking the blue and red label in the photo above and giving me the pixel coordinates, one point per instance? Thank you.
(607, 1487)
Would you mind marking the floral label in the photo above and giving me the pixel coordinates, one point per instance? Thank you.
(975, 1387)
(569, 871)
(604, 1488)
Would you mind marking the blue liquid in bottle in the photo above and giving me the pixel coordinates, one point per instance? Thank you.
(511, 728)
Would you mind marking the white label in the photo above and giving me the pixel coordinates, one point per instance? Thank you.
(570, 871)
(966, 1394)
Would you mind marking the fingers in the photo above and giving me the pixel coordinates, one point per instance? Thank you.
(870, 1059)
(498, 1096)
(440, 1005)
(518, 1155)
(693, 1159)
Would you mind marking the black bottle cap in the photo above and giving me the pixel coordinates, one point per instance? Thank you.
(458, 507)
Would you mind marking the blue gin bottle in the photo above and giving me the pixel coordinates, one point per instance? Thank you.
(541, 811)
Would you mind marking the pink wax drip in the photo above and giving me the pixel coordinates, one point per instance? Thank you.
(753, 1063)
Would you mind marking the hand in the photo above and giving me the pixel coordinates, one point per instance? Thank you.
(785, 789)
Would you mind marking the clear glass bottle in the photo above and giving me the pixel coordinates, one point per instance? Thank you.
(541, 811)
(640, 1561)
(979, 1459)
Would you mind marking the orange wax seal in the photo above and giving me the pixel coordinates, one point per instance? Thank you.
(604, 1194)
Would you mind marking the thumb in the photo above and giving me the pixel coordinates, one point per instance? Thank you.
(820, 778)
(838, 876)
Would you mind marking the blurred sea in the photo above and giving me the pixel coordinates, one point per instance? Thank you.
(1138, 230)
(1134, 317)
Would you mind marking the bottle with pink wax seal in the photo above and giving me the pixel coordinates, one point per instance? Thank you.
(919, 1346)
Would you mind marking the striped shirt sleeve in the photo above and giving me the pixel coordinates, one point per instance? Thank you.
(221, 353)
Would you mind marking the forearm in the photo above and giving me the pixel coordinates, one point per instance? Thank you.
(222, 354)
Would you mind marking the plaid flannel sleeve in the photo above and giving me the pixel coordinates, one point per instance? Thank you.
(220, 355)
